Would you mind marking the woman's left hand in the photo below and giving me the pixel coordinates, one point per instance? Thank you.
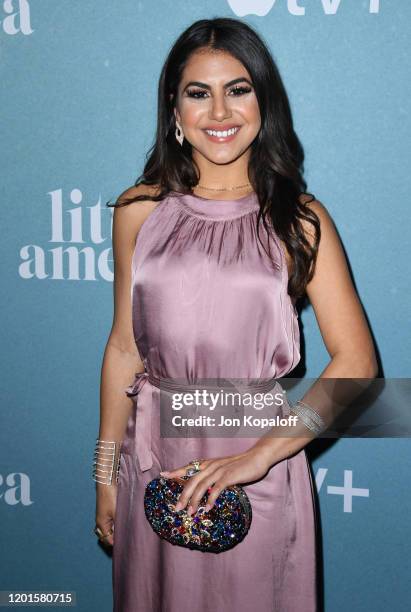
(215, 475)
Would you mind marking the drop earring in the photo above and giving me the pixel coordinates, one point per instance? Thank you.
(179, 133)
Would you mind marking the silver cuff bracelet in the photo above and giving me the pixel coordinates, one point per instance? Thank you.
(106, 462)
(309, 417)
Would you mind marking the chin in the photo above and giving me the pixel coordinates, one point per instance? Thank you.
(222, 158)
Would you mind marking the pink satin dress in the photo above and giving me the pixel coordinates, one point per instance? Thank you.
(208, 302)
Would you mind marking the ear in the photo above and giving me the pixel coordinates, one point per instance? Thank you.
(177, 114)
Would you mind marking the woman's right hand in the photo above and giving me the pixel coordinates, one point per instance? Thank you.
(106, 496)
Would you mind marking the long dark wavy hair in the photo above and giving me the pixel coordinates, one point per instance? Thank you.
(275, 167)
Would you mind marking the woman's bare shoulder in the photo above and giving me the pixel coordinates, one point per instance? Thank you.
(138, 190)
(129, 217)
(135, 212)
(323, 215)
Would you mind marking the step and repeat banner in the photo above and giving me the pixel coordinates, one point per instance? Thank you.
(78, 102)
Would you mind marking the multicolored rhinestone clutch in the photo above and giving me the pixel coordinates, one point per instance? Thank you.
(217, 530)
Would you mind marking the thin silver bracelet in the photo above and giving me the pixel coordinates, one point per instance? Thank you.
(309, 417)
(106, 462)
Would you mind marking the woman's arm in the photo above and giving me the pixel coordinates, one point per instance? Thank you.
(337, 308)
(346, 336)
(121, 357)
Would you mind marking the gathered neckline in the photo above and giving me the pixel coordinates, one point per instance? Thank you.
(218, 210)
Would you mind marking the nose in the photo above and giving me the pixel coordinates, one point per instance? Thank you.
(219, 109)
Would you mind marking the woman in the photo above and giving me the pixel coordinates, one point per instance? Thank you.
(215, 243)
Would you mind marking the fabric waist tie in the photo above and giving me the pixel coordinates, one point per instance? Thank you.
(144, 412)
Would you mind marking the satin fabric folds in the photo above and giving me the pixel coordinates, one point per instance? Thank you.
(209, 302)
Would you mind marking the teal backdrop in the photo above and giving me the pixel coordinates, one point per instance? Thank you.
(78, 102)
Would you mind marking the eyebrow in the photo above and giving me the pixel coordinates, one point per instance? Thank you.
(229, 84)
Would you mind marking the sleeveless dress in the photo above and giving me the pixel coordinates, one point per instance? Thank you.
(209, 302)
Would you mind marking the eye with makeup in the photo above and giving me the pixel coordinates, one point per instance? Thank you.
(239, 90)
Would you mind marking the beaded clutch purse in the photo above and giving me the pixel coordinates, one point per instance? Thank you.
(217, 530)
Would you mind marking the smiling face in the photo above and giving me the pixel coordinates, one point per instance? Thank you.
(217, 107)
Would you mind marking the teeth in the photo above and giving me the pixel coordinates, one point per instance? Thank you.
(222, 134)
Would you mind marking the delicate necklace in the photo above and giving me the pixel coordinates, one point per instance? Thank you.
(224, 188)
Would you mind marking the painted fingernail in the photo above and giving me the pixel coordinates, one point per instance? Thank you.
(164, 473)
(190, 510)
(207, 507)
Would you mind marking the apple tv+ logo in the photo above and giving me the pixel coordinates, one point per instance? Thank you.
(295, 7)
